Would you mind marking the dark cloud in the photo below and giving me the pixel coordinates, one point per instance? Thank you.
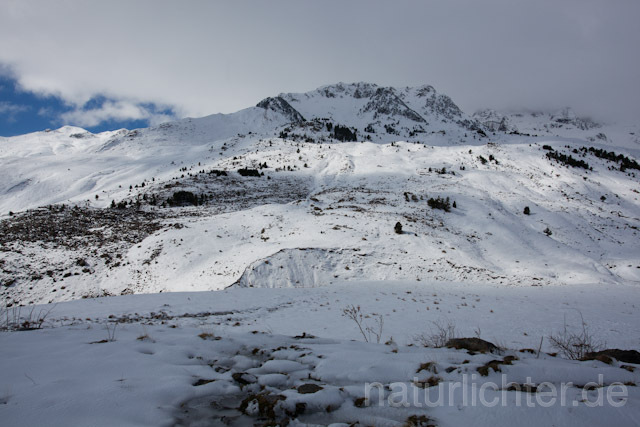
(205, 57)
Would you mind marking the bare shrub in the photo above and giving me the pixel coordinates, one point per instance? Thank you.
(17, 319)
(111, 331)
(370, 330)
(575, 344)
(439, 334)
(145, 335)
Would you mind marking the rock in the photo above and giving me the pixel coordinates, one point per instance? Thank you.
(360, 402)
(309, 388)
(280, 105)
(263, 404)
(243, 378)
(202, 381)
(494, 364)
(626, 356)
(472, 344)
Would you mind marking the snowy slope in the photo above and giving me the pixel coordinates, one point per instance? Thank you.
(342, 207)
(71, 164)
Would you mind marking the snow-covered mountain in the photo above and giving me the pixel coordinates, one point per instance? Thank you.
(493, 121)
(389, 202)
(335, 200)
(72, 164)
(564, 123)
(385, 113)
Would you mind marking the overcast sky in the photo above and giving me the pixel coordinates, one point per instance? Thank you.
(150, 60)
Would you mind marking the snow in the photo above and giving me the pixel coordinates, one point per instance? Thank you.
(337, 216)
(405, 109)
(148, 372)
(245, 294)
(54, 166)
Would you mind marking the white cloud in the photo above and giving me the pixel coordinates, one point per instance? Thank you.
(203, 57)
(112, 110)
(46, 112)
(157, 119)
(8, 110)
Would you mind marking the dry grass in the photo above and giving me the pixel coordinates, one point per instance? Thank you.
(438, 336)
(21, 319)
(575, 344)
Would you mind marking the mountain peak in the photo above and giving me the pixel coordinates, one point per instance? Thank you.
(424, 90)
(386, 102)
(280, 105)
(568, 116)
(494, 121)
(384, 112)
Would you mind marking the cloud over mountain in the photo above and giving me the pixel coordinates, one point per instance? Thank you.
(202, 57)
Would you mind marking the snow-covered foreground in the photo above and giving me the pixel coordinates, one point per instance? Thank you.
(240, 357)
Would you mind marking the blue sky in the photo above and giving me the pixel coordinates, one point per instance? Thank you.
(23, 111)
